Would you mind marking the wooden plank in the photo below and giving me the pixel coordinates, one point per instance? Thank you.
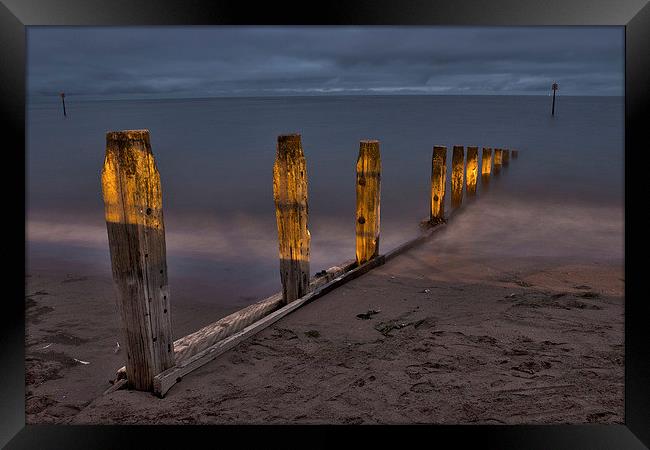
(457, 175)
(136, 235)
(438, 181)
(164, 381)
(117, 385)
(187, 346)
(290, 195)
(207, 336)
(434, 228)
(486, 167)
(471, 171)
(368, 198)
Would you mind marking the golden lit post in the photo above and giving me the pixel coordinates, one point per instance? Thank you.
(498, 159)
(136, 236)
(471, 171)
(368, 196)
(438, 180)
(457, 175)
(486, 166)
(291, 210)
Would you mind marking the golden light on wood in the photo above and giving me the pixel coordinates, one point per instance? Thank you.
(498, 160)
(136, 235)
(457, 175)
(486, 166)
(368, 199)
(438, 180)
(291, 210)
(471, 171)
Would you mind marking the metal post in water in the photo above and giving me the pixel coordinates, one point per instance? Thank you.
(62, 94)
(555, 88)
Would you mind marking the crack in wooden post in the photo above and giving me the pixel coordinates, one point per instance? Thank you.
(438, 181)
(368, 198)
(291, 209)
(132, 196)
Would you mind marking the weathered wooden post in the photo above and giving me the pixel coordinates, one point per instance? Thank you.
(457, 174)
(486, 166)
(438, 180)
(498, 160)
(368, 196)
(515, 154)
(291, 210)
(471, 171)
(506, 158)
(136, 237)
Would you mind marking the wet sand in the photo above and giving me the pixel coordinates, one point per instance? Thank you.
(467, 328)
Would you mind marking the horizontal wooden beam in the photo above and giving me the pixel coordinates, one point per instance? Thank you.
(195, 342)
(165, 380)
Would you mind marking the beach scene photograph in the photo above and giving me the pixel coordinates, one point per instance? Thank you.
(324, 225)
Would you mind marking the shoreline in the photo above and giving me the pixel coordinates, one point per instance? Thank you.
(489, 333)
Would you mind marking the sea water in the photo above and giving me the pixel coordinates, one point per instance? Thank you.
(215, 158)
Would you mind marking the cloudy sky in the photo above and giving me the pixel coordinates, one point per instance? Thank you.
(149, 62)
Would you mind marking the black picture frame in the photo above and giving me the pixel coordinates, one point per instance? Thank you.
(634, 15)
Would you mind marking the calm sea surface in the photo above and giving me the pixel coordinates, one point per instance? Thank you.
(215, 157)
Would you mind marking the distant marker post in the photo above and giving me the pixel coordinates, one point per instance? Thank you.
(555, 88)
(62, 94)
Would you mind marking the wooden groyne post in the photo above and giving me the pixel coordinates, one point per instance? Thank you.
(515, 154)
(498, 160)
(291, 211)
(136, 237)
(368, 197)
(471, 171)
(486, 166)
(506, 158)
(457, 175)
(438, 181)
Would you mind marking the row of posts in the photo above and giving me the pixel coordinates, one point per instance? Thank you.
(132, 195)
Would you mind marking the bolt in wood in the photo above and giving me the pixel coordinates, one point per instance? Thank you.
(438, 180)
(136, 236)
(457, 175)
(471, 171)
(291, 211)
(368, 196)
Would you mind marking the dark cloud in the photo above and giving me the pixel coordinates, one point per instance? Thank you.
(214, 61)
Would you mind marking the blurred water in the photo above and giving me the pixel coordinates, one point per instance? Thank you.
(215, 157)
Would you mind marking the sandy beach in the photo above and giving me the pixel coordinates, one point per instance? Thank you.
(483, 324)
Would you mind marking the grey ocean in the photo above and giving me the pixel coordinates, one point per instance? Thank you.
(215, 157)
